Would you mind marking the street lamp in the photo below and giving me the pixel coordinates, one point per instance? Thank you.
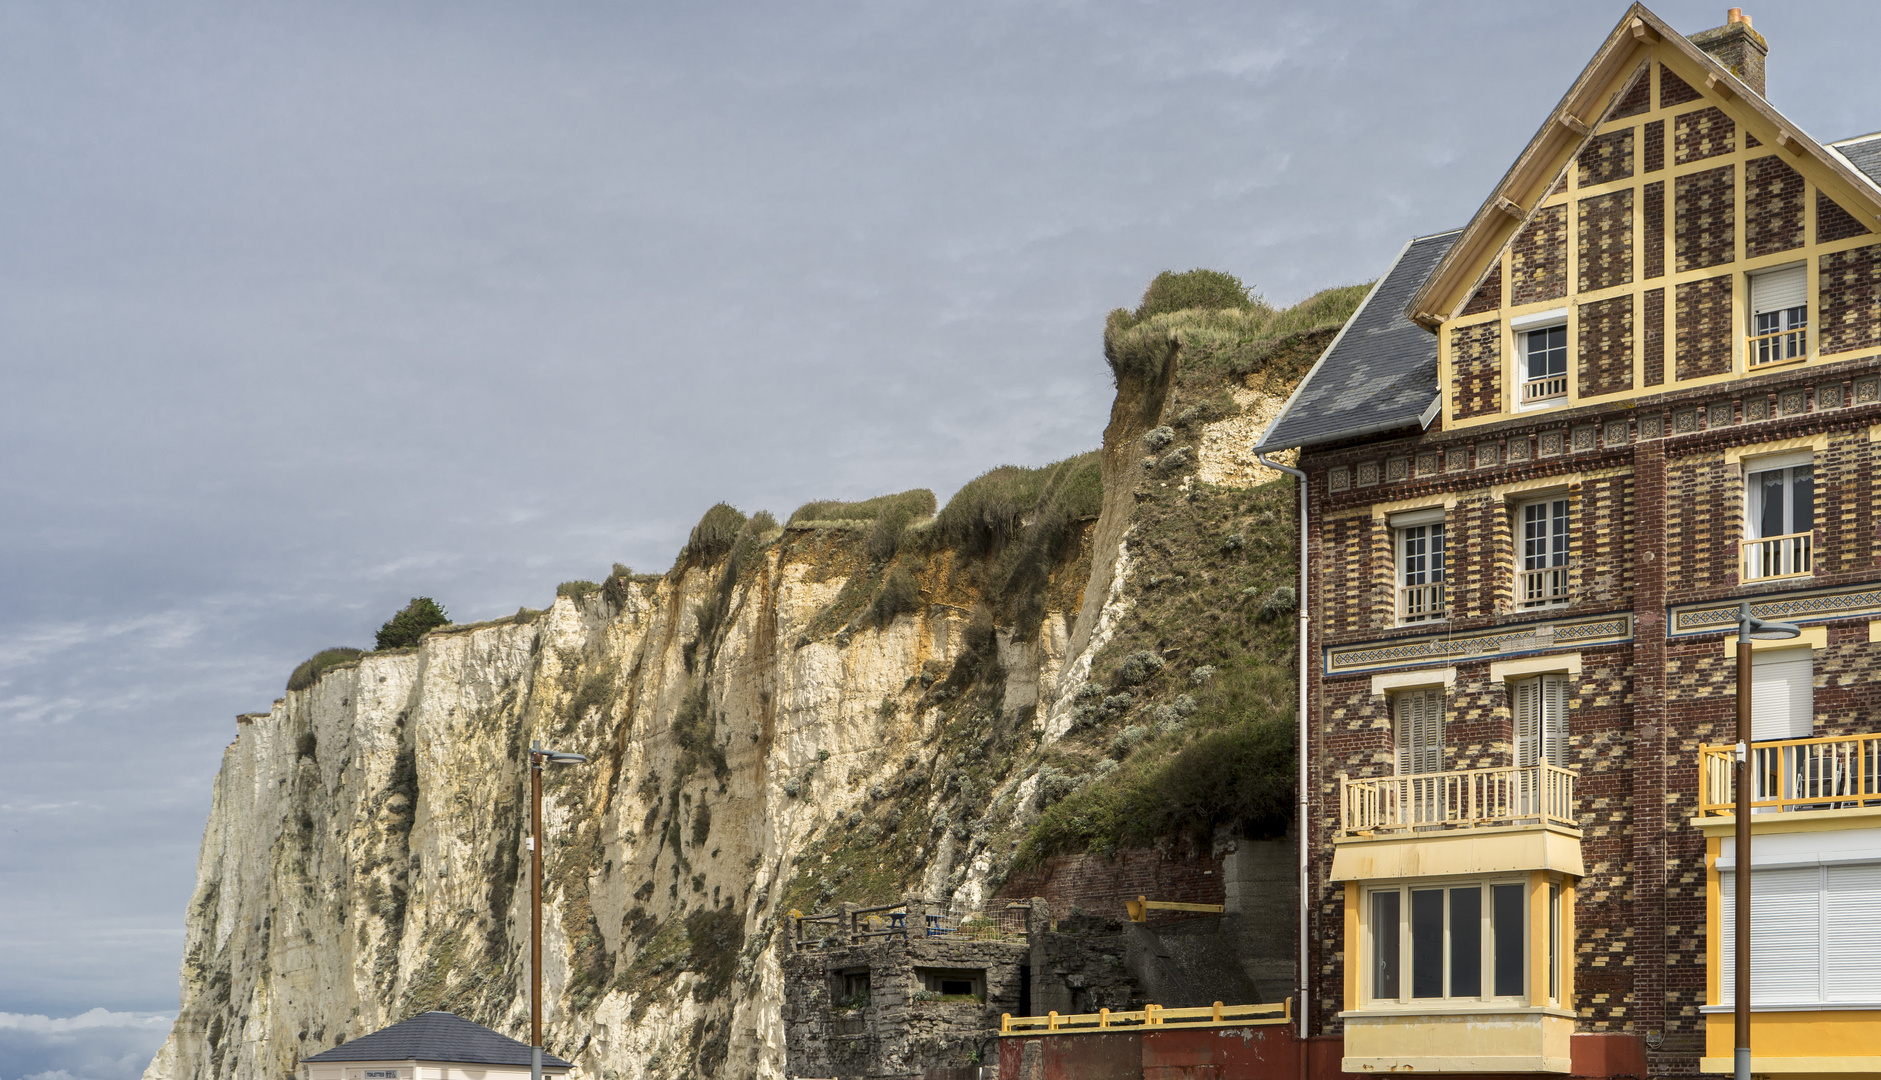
(538, 756)
(1749, 628)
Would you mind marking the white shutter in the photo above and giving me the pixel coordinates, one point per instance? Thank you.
(1785, 935)
(1779, 289)
(1527, 722)
(1419, 731)
(1554, 714)
(1782, 700)
(1851, 945)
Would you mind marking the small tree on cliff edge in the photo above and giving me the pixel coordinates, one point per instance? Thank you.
(405, 628)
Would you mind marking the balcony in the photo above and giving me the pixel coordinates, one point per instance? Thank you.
(1546, 388)
(1779, 347)
(1788, 775)
(1546, 587)
(1420, 603)
(1777, 556)
(1462, 799)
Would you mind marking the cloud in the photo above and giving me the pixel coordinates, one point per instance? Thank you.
(97, 1044)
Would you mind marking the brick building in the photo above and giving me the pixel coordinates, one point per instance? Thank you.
(1543, 465)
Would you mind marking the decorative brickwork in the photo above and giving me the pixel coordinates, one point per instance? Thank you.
(1606, 346)
(1704, 218)
(1652, 211)
(1476, 360)
(1701, 134)
(1607, 157)
(1751, 142)
(1702, 340)
(1346, 592)
(1488, 296)
(1652, 147)
(1637, 99)
(1773, 207)
(1606, 240)
(1538, 258)
(1833, 222)
(1652, 335)
(1850, 292)
(1674, 90)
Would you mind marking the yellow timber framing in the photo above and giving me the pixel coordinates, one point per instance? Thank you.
(1625, 58)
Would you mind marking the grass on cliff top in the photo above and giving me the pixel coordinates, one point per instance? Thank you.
(319, 664)
(1226, 341)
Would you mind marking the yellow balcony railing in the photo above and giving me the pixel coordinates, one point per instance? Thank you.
(1775, 348)
(1552, 386)
(1461, 799)
(1280, 1012)
(1794, 774)
(1540, 588)
(1420, 603)
(1777, 556)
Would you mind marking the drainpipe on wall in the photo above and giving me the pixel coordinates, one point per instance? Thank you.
(1300, 810)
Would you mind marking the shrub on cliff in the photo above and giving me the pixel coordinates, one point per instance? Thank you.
(319, 663)
(405, 628)
(715, 532)
(1210, 290)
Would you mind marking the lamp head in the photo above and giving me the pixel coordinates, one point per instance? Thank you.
(1751, 628)
(545, 756)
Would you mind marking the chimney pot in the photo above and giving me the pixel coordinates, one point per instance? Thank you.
(1738, 47)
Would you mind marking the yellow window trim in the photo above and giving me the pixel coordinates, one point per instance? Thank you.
(1874, 630)
(1380, 511)
(1505, 850)
(1813, 637)
(1409, 680)
(1554, 663)
(1874, 433)
(1568, 482)
(1818, 443)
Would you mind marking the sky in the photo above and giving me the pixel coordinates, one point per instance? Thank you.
(307, 309)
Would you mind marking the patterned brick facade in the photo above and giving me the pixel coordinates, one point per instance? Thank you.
(1476, 357)
(1850, 284)
(1606, 346)
(1702, 320)
(1652, 147)
(1835, 223)
(1702, 133)
(1674, 90)
(1652, 228)
(1605, 240)
(1637, 99)
(1538, 258)
(1652, 336)
(1704, 218)
(1607, 157)
(1488, 296)
(1773, 207)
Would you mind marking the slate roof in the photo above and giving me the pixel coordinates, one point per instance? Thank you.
(1864, 153)
(440, 1037)
(1380, 373)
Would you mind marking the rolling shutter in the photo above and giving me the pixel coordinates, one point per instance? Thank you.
(1851, 948)
(1782, 700)
(1779, 289)
(1785, 935)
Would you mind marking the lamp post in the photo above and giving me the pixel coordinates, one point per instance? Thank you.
(1749, 628)
(538, 756)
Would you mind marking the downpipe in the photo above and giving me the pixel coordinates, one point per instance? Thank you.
(1300, 807)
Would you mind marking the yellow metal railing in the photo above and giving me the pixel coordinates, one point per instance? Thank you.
(1774, 348)
(1794, 774)
(1461, 799)
(1420, 603)
(1150, 1016)
(1552, 386)
(1777, 556)
(1140, 908)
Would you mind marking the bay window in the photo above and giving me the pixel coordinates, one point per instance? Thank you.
(1457, 942)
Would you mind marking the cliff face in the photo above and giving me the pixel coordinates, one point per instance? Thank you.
(761, 734)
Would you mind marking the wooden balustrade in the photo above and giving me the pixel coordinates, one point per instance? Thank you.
(1216, 1015)
(1462, 799)
(1787, 775)
(1777, 556)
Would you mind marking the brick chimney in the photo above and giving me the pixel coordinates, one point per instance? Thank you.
(1739, 48)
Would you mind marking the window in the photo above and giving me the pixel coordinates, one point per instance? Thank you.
(1780, 504)
(1420, 557)
(943, 983)
(1811, 933)
(1546, 350)
(1417, 723)
(1779, 305)
(1458, 941)
(1782, 706)
(1541, 721)
(1543, 578)
(852, 988)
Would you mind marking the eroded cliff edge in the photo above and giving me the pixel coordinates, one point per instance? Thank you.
(772, 722)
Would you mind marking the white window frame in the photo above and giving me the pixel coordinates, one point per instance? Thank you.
(1416, 527)
(1779, 326)
(1541, 323)
(1789, 553)
(1557, 552)
(1405, 998)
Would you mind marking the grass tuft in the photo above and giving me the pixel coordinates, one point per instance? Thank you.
(319, 664)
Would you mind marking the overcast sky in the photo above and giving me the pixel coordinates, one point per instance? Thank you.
(308, 309)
